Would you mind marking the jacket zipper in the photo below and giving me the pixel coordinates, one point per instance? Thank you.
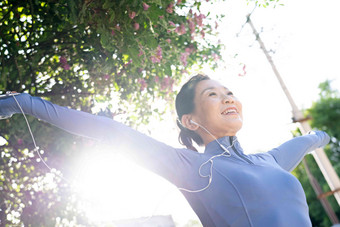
(237, 153)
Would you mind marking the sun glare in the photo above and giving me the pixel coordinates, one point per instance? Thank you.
(111, 187)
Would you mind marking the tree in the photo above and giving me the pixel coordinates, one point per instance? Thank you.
(72, 50)
(325, 115)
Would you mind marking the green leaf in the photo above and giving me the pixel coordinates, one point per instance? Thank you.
(108, 4)
(154, 12)
(167, 70)
(133, 52)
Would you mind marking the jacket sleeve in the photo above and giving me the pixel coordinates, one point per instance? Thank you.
(150, 153)
(289, 154)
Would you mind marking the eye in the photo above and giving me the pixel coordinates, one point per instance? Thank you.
(230, 93)
(212, 93)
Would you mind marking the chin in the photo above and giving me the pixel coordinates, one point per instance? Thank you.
(236, 126)
(232, 128)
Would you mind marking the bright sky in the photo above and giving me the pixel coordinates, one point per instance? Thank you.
(304, 37)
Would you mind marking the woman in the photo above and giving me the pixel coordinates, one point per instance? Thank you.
(224, 186)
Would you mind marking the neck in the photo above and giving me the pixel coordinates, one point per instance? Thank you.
(207, 138)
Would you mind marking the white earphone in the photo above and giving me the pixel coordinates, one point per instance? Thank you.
(194, 122)
(226, 153)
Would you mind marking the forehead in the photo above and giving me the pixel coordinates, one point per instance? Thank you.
(209, 84)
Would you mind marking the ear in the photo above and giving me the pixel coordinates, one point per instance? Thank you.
(186, 122)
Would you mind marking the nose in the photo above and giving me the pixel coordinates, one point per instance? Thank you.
(227, 99)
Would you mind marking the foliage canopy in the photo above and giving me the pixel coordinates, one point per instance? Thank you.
(75, 51)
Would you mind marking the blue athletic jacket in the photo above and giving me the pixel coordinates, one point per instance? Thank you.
(246, 190)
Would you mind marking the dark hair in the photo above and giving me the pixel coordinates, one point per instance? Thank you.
(185, 105)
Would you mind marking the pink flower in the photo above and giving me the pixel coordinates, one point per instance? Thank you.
(136, 26)
(132, 14)
(184, 58)
(172, 23)
(191, 26)
(106, 77)
(167, 83)
(66, 66)
(158, 57)
(159, 53)
(190, 49)
(168, 41)
(244, 72)
(140, 53)
(215, 56)
(143, 84)
(181, 30)
(199, 19)
(145, 6)
(20, 141)
(161, 17)
(202, 33)
(156, 79)
(113, 32)
(169, 9)
(63, 60)
(155, 59)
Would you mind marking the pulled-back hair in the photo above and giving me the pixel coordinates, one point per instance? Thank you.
(185, 105)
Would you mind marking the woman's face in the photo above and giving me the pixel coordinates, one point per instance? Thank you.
(216, 109)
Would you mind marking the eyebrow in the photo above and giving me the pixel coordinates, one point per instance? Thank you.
(211, 88)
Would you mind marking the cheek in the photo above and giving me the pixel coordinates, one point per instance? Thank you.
(205, 111)
(239, 106)
(205, 105)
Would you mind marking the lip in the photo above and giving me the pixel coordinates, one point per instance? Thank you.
(229, 108)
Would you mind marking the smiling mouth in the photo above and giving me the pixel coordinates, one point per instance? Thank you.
(229, 111)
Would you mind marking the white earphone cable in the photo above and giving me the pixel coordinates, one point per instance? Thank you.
(226, 153)
(225, 149)
(36, 148)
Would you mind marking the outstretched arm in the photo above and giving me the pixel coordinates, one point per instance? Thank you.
(289, 154)
(154, 155)
(73, 121)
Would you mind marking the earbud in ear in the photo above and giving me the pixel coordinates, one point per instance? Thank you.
(194, 122)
